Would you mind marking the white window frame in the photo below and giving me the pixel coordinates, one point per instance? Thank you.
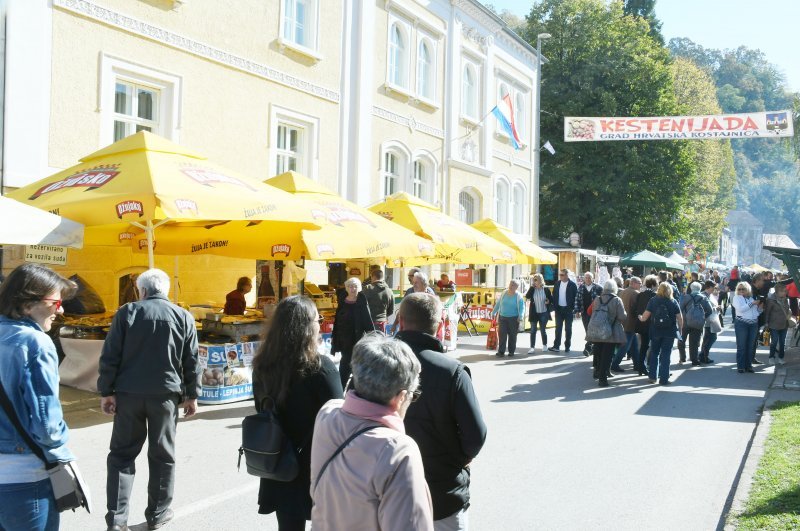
(473, 196)
(469, 109)
(501, 204)
(399, 150)
(308, 49)
(430, 98)
(518, 201)
(404, 61)
(500, 86)
(428, 190)
(113, 69)
(308, 161)
(520, 111)
(133, 119)
(395, 177)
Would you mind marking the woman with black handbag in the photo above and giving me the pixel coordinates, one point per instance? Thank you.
(30, 300)
(289, 372)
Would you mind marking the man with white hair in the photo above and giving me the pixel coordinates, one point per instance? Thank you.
(148, 370)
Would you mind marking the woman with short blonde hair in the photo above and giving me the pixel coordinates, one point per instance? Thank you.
(745, 326)
(664, 326)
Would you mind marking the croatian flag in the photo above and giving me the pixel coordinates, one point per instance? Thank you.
(504, 112)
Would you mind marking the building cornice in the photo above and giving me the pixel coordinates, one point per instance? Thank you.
(408, 121)
(174, 40)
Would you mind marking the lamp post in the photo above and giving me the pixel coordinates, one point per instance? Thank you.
(537, 148)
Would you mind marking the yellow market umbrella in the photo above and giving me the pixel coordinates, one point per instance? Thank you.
(527, 252)
(454, 241)
(758, 268)
(21, 224)
(348, 231)
(144, 181)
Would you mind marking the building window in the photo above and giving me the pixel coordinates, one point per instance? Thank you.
(518, 208)
(469, 93)
(425, 71)
(398, 56)
(502, 92)
(300, 22)
(135, 98)
(519, 115)
(421, 184)
(501, 201)
(391, 173)
(289, 149)
(467, 207)
(135, 109)
(293, 142)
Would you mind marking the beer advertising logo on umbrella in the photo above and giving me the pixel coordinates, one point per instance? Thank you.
(209, 177)
(129, 207)
(281, 248)
(89, 179)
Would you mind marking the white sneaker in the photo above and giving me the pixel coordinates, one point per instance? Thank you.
(531, 351)
(781, 362)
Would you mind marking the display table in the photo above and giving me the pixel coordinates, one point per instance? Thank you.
(81, 363)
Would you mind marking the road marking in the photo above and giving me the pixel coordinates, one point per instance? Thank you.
(205, 503)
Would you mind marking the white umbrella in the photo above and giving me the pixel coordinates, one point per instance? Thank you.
(21, 224)
(675, 257)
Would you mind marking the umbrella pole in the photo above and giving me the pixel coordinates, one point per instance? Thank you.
(149, 232)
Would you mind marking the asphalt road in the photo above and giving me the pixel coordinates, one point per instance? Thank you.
(561, 452)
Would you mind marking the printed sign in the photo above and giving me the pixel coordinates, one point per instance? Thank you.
(226, 374)
(749, 125)
(46, 254)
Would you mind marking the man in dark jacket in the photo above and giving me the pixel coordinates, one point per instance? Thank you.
(148, 369)
(565, 292)
(446, 421)
(380, 299)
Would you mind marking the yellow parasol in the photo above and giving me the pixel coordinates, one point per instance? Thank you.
(144, 181)
(454, 241)
(527, 252)
(758, 268)
(348, 231)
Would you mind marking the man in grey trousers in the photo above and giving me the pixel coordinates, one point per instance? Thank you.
(148, 370)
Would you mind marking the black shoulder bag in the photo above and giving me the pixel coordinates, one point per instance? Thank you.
(268, 451)
(69, 489)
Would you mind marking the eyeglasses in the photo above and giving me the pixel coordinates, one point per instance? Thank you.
(320, 319)
(415, 395)
(56, 302)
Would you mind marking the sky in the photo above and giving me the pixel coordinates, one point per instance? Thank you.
(767, 25)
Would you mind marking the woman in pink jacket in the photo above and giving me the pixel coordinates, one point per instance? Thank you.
(366, 473)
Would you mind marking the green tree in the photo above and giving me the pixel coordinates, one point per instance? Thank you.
(711, 187)
(647, 10)
(621, 196)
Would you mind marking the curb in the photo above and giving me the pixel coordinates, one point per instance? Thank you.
(786, 378)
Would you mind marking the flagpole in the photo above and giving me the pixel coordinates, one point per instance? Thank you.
(537, 151)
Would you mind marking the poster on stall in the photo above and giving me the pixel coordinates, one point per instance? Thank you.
(770, 124)
(226, 372)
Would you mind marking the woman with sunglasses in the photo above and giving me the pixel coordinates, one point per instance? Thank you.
(290, 375)
(745, 325)
(30, 300)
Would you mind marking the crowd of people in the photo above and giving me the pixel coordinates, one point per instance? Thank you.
(645, 318)
(385, 440)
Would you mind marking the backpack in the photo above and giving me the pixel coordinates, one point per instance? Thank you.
(662, 318)
(695, 315)
(599, 328)
(268, 451)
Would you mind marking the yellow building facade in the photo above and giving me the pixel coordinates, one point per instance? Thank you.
(368, 97)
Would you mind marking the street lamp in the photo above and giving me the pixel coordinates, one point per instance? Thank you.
(537, 148)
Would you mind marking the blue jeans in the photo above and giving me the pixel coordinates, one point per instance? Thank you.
(660, 350)
(745, 343)
(540, 319)
(777, 342)
(28, 506)
(631, 345)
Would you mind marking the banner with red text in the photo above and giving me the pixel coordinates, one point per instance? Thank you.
(775, 124)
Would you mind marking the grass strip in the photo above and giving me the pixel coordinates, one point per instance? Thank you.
(774, 500)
